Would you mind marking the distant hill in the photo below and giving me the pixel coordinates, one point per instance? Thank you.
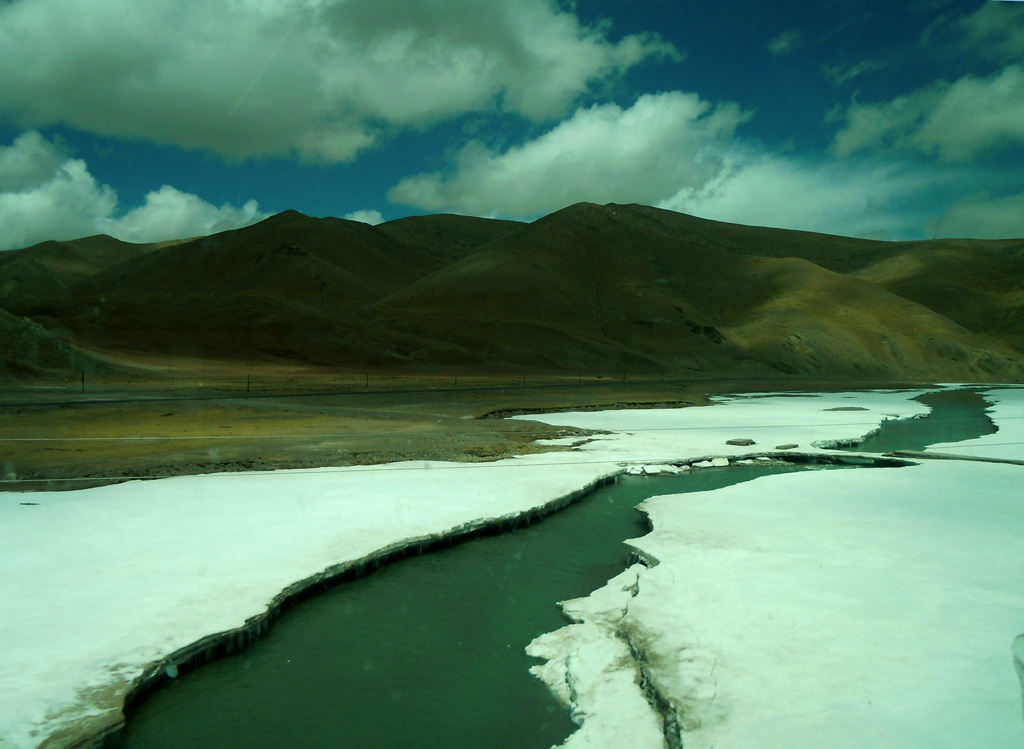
(593, 289)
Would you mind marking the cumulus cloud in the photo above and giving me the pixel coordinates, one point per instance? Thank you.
(29, 161)
(984, 217)
(47, 194)
(859, 199)
(367, 217)
(954, 121)
(169, 213)
(601, 154)
(679, 152)
(322, 79)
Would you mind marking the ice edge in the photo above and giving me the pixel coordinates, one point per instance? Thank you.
(228, 642)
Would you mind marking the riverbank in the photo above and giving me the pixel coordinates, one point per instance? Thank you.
(145, 569)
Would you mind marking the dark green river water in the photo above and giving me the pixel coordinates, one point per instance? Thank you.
(429, 651)
(955, 415)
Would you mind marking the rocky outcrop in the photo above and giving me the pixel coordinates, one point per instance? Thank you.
(27, 349)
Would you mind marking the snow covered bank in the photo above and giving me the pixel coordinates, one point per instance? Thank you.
(843, 609)
(808, 422)
(854, 608)
(99, 585)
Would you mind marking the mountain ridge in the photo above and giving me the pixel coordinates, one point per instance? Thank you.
(592, 288)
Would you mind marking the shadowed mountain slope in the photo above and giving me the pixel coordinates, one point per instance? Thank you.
(656, 290)
(55, 267)
(594, 289)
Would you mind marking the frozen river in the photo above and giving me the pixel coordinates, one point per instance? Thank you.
(142, 570)
(427, 652)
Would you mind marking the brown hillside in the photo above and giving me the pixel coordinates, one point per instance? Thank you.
(288, 288)
(446, 237)
(650, 294)
(979, 285)
(595, 289)
(55, 267)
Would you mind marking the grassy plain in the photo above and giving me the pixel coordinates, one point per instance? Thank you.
(57, 436)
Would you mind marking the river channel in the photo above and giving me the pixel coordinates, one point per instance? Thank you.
(955, 415)
(429, 651)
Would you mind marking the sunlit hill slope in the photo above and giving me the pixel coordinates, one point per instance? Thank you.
(590, 289)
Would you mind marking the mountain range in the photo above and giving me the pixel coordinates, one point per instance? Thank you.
(590, 289)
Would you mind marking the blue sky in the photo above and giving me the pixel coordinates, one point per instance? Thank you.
(166, 119)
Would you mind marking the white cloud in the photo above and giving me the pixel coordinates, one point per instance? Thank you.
(367, 217)
(46, 194)
(785, 43)
(955, 121)
(31, 160)
(984, 217)
(169, 213)
(318, 78)
(837, 75)
(676, 151)
(600, 154)
(995, 30)
(851, 199)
